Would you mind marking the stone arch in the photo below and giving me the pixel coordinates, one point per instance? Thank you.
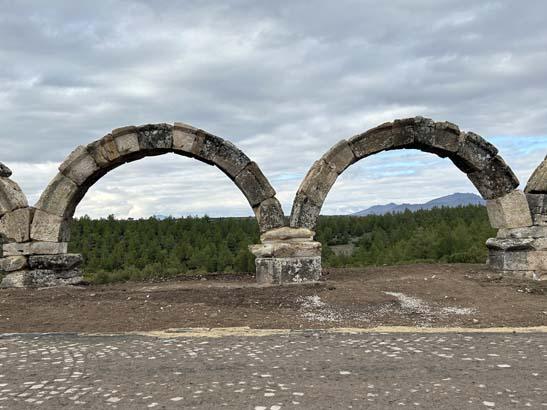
(15, 214)
(473, 155)
(87, 164)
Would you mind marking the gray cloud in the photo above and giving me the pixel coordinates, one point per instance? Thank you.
(283, 80)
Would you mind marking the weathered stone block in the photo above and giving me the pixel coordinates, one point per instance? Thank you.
(528, 232)
(269, 215)
(340, 157)
(79, 166)
(510, 244)
(104, 151)
(15, 225)
(48, 248)
(538, 207)
(41, 278)
(508, 261)
(371, 142)
(495, 180)
(474, 154)
(288, 234)
(254, 185)
(59, 196)
(126, 140)
(537, 184)
(184, 137)
(15, 249)
(286, 249)
(537, 261)
(509, 211)
(154, 137)
(67, 261)
(304, 213)
(5, 172)
(49, 228)
(12, 263)
(318, 182)
(11, 196)
(288, 270)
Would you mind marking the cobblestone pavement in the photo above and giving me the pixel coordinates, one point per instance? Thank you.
(306, 370)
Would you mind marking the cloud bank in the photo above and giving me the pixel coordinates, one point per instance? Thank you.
(283, 80)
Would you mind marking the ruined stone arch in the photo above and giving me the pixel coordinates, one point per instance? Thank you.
(87, 164)
(473, 155)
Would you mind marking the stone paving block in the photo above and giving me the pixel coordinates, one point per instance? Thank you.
(59, 196)
(13, 263)
(509, 211)
(15, 225)
(11, 196)
(79, 166)
(537, 184)
(254, 185)
(269, 215)
(49, 228)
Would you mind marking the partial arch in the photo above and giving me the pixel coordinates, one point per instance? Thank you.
(473, 155)
(87, 164)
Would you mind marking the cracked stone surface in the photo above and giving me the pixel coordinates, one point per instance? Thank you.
(302, 369)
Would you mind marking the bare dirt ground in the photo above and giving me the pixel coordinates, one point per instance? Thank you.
(411, 295)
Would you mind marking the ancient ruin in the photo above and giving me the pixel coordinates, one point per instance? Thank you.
(35, 239)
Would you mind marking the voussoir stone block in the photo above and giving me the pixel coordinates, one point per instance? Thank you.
(13, 263)
(509, 211)
(59, 196)
(474, 153)
(67, 261)
(126, 139)
(155, 137)
(104, 151)
(11, 196)
(5, 172)
(371, 142)
(49, 228)
(537, 184)
(340, 157)
(79, 166)
(304, 213)
(318, 182)
(15, 225)
(269, 214)
(495, 180)
(184, 137)
(254, 185)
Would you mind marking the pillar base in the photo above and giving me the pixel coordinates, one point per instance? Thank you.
(282, 271)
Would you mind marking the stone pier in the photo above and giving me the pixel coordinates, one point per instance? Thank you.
(520, 247)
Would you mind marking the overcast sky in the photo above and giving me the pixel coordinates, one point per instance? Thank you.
(284, 80)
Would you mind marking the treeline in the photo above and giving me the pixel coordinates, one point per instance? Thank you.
(152, 248)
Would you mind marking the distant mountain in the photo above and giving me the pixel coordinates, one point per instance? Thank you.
(450, 201)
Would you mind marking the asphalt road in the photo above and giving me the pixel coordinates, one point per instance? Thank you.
(301, 370)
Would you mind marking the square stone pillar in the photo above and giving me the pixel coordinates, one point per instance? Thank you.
(287, 256)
